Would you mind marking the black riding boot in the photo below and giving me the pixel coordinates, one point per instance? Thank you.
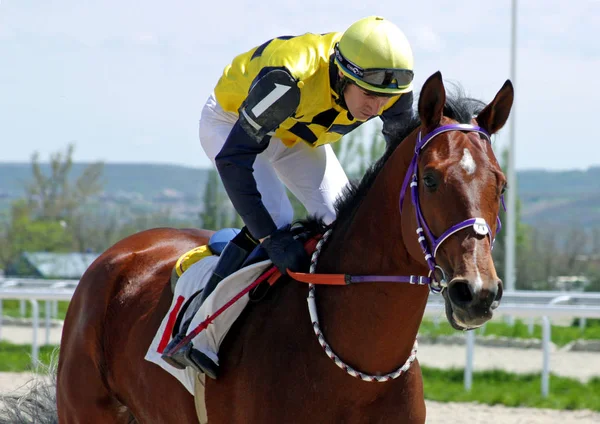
(233, 256)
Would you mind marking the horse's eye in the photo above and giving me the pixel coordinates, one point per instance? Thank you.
(504, 188)
(430, 181)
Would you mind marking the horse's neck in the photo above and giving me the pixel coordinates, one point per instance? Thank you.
(373, 325)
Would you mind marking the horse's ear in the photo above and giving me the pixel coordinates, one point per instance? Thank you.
(432, 101)
(494, 116)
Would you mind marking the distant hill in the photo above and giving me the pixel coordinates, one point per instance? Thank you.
(549, 198)
(559, 182)
(558, 198)
(145, 179)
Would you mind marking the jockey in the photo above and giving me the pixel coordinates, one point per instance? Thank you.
(268, 126)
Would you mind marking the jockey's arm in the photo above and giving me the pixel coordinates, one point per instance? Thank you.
(396, 117)
(273, 97)
(235, 165)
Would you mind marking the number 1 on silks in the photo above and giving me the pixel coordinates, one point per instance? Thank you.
(269, 99)
(272, 99)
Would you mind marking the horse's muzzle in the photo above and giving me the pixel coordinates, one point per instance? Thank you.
(470, 305)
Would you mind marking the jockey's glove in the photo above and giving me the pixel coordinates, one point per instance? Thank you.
(285, 251)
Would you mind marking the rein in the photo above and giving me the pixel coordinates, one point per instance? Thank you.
(436, 285)
(429, 246)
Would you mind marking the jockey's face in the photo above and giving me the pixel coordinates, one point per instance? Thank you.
(363, 104)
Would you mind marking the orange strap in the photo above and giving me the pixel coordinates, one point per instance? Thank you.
(274, 277)
(327, 279)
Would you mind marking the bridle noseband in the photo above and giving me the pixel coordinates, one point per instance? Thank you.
(436, 278)
(429, 248)
(428, 242)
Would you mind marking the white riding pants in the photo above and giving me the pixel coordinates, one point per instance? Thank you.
(314, 175)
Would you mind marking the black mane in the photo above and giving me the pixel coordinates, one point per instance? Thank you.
(458, 107)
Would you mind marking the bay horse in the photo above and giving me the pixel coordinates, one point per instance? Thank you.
(273, 368)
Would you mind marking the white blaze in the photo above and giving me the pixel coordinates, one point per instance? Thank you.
(478, 283)
(467, 162)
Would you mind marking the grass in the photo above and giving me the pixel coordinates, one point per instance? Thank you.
(560, 335)
(11, 308)
(489, 387)
(17, 358)
(499, 387)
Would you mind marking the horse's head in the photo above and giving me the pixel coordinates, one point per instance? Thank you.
(456, 186)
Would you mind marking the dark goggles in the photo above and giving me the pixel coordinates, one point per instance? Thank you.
(381, 78)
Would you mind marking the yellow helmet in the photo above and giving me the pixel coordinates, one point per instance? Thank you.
(375, 54)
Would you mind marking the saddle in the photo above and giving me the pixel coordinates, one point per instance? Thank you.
(215, 246)
(210, 323)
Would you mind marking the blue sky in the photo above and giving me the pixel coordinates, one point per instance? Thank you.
(125, 80)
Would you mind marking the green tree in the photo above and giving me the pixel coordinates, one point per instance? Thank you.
(143, 221)
(57, 196)
(218, 211)
(209, 217)
(25, 233)
(52, 213)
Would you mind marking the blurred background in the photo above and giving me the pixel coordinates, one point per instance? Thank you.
(117, 88)
(100, 101)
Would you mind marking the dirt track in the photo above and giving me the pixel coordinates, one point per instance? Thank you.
(580, 365)
(455, 413)
(438, 413)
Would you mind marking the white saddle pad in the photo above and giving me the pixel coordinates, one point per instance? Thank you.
(209, 340)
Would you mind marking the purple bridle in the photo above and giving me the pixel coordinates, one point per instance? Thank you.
(436, 284)
(479, 225)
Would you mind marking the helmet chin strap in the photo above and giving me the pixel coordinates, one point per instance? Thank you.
(340, 86)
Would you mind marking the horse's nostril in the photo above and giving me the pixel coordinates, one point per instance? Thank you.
(500, 291)
(460, 293)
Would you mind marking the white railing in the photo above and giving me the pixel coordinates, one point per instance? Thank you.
(531, 304)
(6, 282)
(34, 296)
(544, 305)
(35, 283)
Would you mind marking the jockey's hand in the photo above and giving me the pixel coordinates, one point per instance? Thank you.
(285, 251)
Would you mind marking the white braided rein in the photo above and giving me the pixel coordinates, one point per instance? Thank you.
(314, 317)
